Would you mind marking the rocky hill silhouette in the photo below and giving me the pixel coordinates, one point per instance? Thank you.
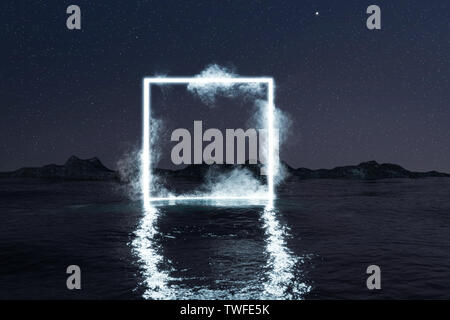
(370, 170)
(93, 169)
(74, 169)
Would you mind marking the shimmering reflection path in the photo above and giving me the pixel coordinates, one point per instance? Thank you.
(146, 249)
(282, 282)
(235, 262)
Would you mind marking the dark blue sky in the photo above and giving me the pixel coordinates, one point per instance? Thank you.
(352, 94)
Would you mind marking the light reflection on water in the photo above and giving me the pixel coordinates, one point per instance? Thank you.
(146, 249)
(280, 280)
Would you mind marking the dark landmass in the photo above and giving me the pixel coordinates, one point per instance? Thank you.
(92, 169)
(370, 170)
(74, 169)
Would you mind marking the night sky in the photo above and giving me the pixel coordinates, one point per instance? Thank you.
(352, 94)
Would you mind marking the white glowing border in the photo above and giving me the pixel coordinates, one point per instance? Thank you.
(146, 171)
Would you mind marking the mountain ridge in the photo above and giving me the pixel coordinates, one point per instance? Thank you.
(93, 169)
(73, 169)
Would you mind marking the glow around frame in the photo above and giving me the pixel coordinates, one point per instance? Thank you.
(146, 176)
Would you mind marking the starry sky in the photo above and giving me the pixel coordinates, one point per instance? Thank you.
(352, 94)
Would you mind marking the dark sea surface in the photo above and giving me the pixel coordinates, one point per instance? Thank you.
(315, 243)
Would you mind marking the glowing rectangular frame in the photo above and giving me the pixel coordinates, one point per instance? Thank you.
(146, 158)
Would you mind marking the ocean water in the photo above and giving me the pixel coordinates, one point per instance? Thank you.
(314, 243)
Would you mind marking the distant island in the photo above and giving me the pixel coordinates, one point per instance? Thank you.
(74, 169)
(93, 170)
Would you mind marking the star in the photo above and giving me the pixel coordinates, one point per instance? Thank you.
(317, 13)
